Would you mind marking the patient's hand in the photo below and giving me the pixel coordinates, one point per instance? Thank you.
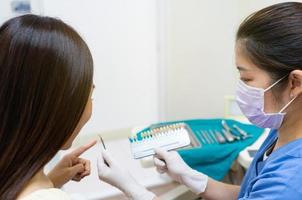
(71, 167)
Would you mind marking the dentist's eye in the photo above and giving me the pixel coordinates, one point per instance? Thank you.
(246, 80)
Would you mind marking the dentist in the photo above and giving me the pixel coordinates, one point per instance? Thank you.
(269, 60)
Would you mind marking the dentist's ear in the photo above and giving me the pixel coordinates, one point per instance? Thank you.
(295, 81)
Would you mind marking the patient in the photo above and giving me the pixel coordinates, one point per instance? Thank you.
(46, 78)
(46, 73)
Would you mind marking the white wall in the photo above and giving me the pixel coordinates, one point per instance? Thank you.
(199, 68)
(6, 11)
(250, 6)
(122, 37)
(199, 57)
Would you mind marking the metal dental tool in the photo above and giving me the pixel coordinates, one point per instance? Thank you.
(242, 132)
(220, 138)
(101, 139)
(206, 137)
(228, 131)
(228, 136)
(209, 137)
(203, 140)
(212, 133)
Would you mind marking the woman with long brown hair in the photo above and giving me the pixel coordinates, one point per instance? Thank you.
(46, 78)
(46, 73)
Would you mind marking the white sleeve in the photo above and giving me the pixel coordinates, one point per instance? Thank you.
(48, 194)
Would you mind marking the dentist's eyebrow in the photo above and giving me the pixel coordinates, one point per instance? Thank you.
(240, 68)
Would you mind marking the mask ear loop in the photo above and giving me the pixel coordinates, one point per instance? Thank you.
(270, 87)
(281, 111)
(278, 81)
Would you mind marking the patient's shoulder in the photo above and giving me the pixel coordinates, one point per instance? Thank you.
(48, 194)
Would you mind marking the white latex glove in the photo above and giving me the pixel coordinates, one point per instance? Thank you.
(116, 175)
(172, 164)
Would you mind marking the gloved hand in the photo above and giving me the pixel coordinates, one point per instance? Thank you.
(116, 175)
(172, 164)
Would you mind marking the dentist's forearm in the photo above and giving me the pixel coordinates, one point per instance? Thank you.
(216, 190)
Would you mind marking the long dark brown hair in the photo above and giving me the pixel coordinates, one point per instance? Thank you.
(272, 39)
(46, 72)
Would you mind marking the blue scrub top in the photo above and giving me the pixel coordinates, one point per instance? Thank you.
(278, 177)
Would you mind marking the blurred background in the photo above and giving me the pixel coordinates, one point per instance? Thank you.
(155, 60)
